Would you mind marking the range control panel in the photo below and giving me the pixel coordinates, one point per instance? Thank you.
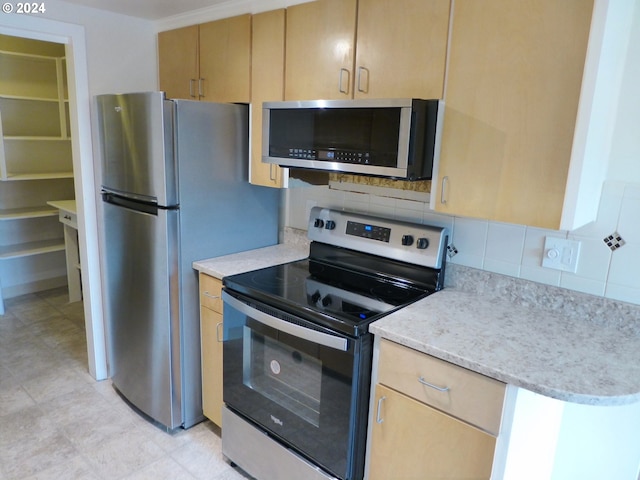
(408, 242)
(368, 230)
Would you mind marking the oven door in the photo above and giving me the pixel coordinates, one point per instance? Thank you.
(296, 381)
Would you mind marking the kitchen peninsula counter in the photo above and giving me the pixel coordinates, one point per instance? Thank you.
(562, 344)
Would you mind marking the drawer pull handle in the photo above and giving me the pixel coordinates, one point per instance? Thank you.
(431, 385)
(215, 297)
(379, 419)
(218, 337)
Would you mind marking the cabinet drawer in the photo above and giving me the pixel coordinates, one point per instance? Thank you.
(467, 395)
(210, 292)
(68, 218)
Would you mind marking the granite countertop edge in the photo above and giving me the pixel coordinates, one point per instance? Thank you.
(546, 353)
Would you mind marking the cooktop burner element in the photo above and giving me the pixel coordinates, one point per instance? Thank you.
(277, 279)
(359, 270)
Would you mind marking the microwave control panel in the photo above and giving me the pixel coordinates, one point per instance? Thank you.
(341, 156)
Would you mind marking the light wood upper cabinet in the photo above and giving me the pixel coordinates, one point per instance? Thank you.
(267, 74)
(208, 62)
(401, 48)
(513, 87)
(225, 59)
(320, 40)
(178, 62)
(399, 51)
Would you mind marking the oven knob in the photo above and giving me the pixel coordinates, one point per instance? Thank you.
(330, 225)
(319, 223)
(326, 301)
(315, 297)
(407, 240)
(422, 243)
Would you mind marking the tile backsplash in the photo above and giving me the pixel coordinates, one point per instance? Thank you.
(507, 249)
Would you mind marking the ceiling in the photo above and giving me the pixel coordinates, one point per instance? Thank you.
(148, 9)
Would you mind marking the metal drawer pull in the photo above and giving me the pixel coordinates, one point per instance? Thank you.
(191, 81)
(218, 337)
(431, 385)
(207, 294)
(379, 419)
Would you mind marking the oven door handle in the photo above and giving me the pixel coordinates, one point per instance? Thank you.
(331, 341)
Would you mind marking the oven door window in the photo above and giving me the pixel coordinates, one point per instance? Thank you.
(298, 390)
(283, 373)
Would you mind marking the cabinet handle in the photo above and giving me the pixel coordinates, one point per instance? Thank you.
(360, 89)
(379, 419)
(218, 337)
(272, 175)
(191, 92)
(207, 294)
(431, 385)
(340, 81)
(200, 87)
(443, 196)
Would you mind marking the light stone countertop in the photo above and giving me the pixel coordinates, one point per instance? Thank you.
(559, 343)
(220, 267)
(547, 353)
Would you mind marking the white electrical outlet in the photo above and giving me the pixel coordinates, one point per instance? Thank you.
(561, 254)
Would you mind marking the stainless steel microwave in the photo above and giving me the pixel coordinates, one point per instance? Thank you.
(397, 138)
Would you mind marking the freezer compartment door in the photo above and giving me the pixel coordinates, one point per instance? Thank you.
(143, 311)
(136, 141)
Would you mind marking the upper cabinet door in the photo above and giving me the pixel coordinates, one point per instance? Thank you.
(178, 62)
(512, 93)
(401, 48)
(225, 60)
(320, 50)
(267, 73)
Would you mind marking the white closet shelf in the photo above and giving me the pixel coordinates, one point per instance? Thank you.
(31, 248)
(16, 177)
(34, 56)
(30, 98)
(27, 212)
(37, 138)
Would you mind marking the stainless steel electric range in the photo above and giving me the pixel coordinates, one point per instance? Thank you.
(297, 351)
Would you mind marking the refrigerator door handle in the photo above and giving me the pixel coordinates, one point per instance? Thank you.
(125, 202)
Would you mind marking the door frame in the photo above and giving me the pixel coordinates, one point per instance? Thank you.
(73, 37)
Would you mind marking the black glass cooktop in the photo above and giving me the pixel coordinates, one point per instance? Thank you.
(334, 296)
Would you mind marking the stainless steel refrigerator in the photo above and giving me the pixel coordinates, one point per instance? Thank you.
(174, 190)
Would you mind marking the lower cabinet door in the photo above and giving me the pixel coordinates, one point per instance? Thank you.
(211, 333)
(413, 441)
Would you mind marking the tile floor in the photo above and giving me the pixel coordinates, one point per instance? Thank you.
(57, 422)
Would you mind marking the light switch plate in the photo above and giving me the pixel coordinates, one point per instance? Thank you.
(561, 254)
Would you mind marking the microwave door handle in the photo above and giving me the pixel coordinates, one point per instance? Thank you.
(331, 341)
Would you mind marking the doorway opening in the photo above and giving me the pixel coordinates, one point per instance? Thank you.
(77, 118)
